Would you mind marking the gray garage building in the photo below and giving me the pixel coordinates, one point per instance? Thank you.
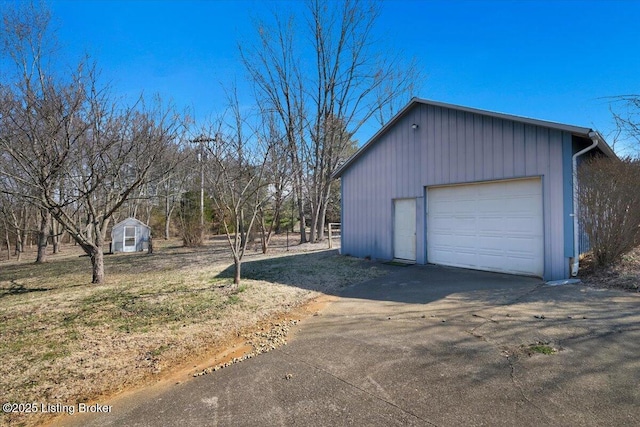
(463, 187)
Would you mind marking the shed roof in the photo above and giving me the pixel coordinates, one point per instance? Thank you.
(574, 130)
(129, 220)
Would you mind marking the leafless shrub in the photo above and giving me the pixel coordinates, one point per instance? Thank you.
(189, 220)
(609, 203)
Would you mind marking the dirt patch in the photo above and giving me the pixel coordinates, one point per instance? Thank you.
(265, 335)
(262, 337)
(624, 275)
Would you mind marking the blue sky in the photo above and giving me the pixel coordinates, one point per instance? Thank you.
(551, 60)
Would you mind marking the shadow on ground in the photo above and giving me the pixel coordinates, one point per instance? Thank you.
(419, 284)
(423, 345)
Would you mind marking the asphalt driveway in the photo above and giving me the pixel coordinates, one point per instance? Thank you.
(427, 345)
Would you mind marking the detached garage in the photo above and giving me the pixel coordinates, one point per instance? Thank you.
(462, 187)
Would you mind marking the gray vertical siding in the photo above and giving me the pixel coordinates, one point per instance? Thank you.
(450, 146)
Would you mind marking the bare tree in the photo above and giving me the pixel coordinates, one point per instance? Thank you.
(278, 179)
(5, 226)
(17, 214)
(79, 154)
(109, 163)
(27, 42)
(626, 113)
(56, 235)
(237, 180)
(323, 104)
(17, 211)
(275, 71)
(172, 183)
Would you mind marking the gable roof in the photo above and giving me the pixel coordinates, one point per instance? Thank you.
(130, 219)
(574, 130)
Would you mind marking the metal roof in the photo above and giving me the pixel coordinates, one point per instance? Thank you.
(574, 130)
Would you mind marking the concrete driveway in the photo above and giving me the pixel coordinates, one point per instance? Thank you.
(427, 345)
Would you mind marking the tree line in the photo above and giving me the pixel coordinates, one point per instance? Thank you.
(75, 159)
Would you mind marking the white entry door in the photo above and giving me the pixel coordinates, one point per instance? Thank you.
(404, 229)
(494, 226)
(129, 239)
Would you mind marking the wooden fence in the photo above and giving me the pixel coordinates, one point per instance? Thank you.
(334, 231)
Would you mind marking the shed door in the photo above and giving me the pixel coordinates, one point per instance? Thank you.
(494, 226)
(129, 239)
(404, 229)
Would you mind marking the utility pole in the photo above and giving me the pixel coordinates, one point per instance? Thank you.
(201, 140)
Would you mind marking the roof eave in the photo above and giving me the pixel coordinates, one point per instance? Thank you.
(127, 219)
(575, 130)
(361, 150)
(604, 147)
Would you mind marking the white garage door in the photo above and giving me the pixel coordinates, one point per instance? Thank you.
(404, 229)
(494, 226)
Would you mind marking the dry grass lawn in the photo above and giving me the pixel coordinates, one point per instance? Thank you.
(623, 275)
(64, 340)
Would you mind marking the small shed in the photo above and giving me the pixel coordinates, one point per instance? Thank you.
(130, 235)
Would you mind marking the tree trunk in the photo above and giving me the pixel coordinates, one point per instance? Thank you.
(167, 218)
(263, 235)
(322, 220)
(323, 211)
(148, 212)
(7, 240)
(43, 235)
(56, 235)
(315, 214)
(267, 232)
(277, 210)
(237, 263)
(243, 234)
(303, 225)
(97, 254)
(89, 229)
(277, 229)
(97, 264)
(21, 232)
(19, 244)
(312, 227)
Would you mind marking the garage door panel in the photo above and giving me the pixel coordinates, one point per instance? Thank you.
(515, 245)
(490, 243)
(491, 226)
(487, 261)
(494, 224)
(468, 260)
(465, 223)
(460, 243)
(521, 225)
(462, 258)
(488, 206)
(443, 223)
